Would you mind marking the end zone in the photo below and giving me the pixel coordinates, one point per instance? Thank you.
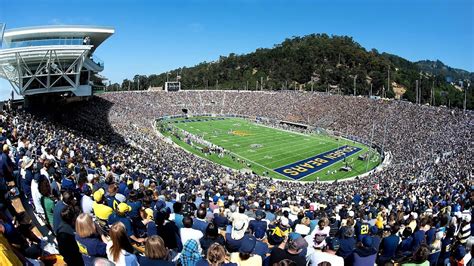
(314, 164)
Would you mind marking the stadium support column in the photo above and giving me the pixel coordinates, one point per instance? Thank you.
(388, 81)
(355, 77)
(465, 96)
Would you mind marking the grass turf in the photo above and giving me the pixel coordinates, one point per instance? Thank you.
(275, 147)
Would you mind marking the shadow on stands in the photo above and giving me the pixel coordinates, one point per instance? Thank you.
(88, 118)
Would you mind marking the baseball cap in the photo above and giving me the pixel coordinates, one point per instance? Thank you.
(297, 241)
(248, 244)
(123, 208)
(259, 214)
(367, 241)
(333, 243)
(98, 195)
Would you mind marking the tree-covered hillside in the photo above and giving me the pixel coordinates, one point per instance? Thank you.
(318, 62)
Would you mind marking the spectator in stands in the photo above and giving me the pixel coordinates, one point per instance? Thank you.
(317, 255)
(120, 215)
(156, 253)
(67, 244)
(290, 249)
(199, 222)
(220, 218)
(389, 244)
(215, 257)
(35, 193)
(110, 198)
(278, 231)
(27, 176)
(190, 254)
(188, 232)
(134, 204)
(234, 239)
(169, 231)
(8, 255)
(405, 247)
(144, 225)
(244, 256)
(87, 202)
(365, 253)
(258, 227)
(420, 257)
(347, 243)
(212, 236)
(119, 250)
(89, 240)
(68, 199)
(101, 210)
(47, 202)
(177, 214)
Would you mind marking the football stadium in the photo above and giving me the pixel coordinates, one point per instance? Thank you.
(315, 151)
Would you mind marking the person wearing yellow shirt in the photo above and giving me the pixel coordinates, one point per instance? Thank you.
(244, 256)
(101, 210)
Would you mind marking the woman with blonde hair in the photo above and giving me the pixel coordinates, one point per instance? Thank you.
(156, 252)
(120, 250)
(87, 237)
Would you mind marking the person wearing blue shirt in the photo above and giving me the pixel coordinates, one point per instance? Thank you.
(178, 216)
(405, 247)
(419, 235)
(347, 243)
(199, 223)
(120, 215)
(87, 238)
(67, 200)
(388, 246)
(258, 226)
(134, 204)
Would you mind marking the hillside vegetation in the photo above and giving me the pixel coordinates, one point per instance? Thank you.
(319, 62)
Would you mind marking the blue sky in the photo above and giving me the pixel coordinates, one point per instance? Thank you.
(156, 36)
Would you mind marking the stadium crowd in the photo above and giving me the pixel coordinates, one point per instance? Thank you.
(112, 190)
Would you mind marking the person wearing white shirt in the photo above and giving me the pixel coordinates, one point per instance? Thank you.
(87, 201)
(189, 233)
(316, 255)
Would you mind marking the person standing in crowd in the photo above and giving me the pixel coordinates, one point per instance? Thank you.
(119, 250)
(67, 244)
(68, 199)
(47, 202)
(389, 244)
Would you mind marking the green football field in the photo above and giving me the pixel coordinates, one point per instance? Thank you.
(264, 149)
